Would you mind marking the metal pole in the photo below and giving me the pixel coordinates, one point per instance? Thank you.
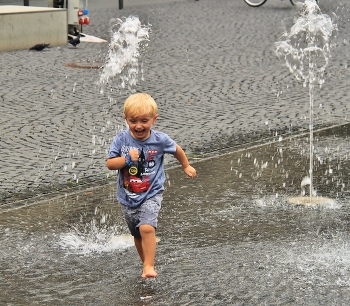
(26, 2)
(121, 4)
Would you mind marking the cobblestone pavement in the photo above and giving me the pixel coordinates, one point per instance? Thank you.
(210, 65)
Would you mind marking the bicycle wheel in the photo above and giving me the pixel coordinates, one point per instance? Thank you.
(255, 3)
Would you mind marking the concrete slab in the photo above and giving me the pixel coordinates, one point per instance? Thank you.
(21, 27)
(15, 9)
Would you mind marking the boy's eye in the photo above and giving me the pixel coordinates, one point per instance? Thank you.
(134, 121)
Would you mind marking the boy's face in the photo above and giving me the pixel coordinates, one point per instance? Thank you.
(140, 126)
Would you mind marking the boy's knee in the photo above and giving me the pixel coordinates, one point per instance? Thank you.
(146, 229)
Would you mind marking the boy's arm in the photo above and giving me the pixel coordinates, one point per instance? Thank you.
(182, 158)
(116, 163)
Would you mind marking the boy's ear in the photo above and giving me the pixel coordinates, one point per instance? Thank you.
(124, 116)
(155, 118)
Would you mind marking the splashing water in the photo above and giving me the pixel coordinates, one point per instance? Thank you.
(306, 47)
(85, 245)
(94, 239)
(306, 50)
(129, 38)
(306, 181)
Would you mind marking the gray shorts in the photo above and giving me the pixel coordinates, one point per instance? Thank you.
(147, 213)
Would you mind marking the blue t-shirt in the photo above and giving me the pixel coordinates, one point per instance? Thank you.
(142, 180)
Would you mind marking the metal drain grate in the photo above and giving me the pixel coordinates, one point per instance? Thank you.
(85, 65)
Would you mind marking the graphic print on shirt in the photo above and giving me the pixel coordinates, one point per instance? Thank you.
(138, 176)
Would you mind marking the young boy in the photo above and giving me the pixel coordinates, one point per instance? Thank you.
(138, 153)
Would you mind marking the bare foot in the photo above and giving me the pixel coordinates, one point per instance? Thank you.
(149, 272)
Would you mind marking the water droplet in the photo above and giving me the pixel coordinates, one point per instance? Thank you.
(127, 41)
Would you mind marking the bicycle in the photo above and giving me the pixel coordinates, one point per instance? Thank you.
(256, 3)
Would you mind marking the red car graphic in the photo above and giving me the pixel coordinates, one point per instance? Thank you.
(136, 185)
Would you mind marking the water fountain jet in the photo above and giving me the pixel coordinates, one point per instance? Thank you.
(306, 49)
(129, 37)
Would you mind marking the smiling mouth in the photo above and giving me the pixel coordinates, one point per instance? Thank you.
(139, 132)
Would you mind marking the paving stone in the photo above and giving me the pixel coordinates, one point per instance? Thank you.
(210, 65)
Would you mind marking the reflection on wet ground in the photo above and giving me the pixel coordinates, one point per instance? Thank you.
(228, 237)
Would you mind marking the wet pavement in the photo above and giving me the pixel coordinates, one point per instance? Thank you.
(210, 65)
(228, 237)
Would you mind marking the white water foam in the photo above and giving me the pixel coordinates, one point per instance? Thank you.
(306, 47)
(94, 237)
(78, 243)
(122, 68)
(326, 264)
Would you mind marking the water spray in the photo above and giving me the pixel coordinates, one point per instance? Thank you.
(306, 50)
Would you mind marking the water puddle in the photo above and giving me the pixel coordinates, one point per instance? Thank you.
(232, 224)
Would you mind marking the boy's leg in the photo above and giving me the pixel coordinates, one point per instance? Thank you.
(148, 249)
(132, 217)
(142, 223)
(138, 244)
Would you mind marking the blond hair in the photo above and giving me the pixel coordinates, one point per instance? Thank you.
(140, 104)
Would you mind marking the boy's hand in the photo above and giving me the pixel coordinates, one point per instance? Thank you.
(190, 171)
(134, 155)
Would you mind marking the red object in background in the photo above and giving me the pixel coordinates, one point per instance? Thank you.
(86, 20)
(81, 20)
(80, 13)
